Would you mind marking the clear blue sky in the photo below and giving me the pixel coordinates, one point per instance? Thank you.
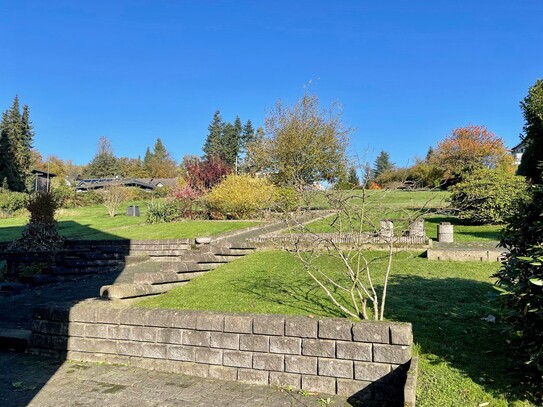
(406, 72)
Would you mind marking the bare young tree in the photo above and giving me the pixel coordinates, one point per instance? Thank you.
(113, 196)
(358, 284)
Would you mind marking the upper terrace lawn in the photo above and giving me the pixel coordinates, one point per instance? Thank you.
(398, 204)
(464, 361)
(94, 223)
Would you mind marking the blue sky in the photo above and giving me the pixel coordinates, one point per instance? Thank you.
(406, 72)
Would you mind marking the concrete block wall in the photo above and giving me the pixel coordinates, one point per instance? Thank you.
(363, 360)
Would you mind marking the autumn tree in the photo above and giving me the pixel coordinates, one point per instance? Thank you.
(159, 163)
(303, 143)
(532, 108)
(203, 174)
(468, 148)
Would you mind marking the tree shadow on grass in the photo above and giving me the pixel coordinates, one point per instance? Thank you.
(447, 321)
(302, 296)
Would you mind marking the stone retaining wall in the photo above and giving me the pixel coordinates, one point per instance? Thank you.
(366, 360)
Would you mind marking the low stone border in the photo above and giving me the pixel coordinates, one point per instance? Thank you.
(465, 255)
(365, 360)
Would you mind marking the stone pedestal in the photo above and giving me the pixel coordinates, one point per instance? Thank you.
(387, 228)
(445, 232)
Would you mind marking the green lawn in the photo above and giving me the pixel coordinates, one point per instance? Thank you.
(464, 361)
(94, 223)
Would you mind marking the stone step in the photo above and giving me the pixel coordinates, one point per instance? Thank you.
(239, 245)
(92, 263)
(208, 258)
(166, 277)
(14, 339)
(226, 251)
(121, 291)
(178, 266)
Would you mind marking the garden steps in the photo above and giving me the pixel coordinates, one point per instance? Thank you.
(162, 273)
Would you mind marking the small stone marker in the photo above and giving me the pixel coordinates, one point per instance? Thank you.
(133, 210)
(416, 228)
(445, 232)
(387, 228)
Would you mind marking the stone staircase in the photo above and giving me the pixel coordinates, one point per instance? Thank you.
(162, 273)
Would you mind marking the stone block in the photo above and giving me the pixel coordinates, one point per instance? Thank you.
(130, 348)
(38, 340)
(196, 338)
(78, 329)
(318, 347)
(371, 331)
(238, 324)
(59, 342)
(207, 321)
(183, 319)
(122, 332)
(393, 395)
(224, 340)
(254, 343)
(286, 345)
(83, 314)
(169, 335)
(60, 314)
(253, 376)
(182, 353)
(192, 369)
(108, 315)
(397, 354)
(356, 389)
(236, 358)
(96, 331)
(269, 325)
(78, 344)
(160, 318)
(301, 327)
(371, 372)
(401, 334)
(336, 368)
(208, 356)
(133, 316)
(281, 379)
(223, 373)
(154, 351)
(301, 364)
(143, 334)
(319, 384)
(266, 361)
(354, 351)
(335, 329)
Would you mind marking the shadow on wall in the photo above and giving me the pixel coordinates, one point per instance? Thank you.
(81, 270)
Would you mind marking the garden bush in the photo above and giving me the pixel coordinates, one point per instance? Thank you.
(162, 211)
(12, 202)
(522, 277)
(240, 196)
(487, 196)
(286, 199)
(187, 198)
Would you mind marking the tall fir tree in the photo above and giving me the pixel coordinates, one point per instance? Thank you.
(352, 178)
(212, 146)
(16, 136)
(382, 164)
(531, 164)
(160, 164)
(104, 164)
(248, 135)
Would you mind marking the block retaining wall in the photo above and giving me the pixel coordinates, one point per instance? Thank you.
(365, 360)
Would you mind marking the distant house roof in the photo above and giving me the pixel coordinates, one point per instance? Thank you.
(160, 182)
(519, 147)
(92, 184)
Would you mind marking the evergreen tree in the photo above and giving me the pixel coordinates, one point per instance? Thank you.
(104, 164)
(16, 147)
(382, 164)
(248, 135)
(532, 108)
(160, 164)
(352, 178)
(229, 144)
(212, 146)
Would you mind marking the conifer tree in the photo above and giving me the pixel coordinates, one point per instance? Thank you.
(212, 146)
(382, 164)
(160, 164)
(248, 135)
(104, 164)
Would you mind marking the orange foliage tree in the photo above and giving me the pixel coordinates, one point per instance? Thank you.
(470, 147)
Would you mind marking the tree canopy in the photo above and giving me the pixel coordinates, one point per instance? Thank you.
(302, 144)
(16, 158)
(532, 108)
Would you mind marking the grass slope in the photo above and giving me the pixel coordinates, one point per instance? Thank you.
(464, 361)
